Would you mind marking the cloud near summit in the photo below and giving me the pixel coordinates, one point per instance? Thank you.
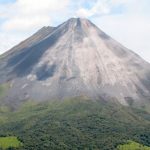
(27, 14)
(125, 20)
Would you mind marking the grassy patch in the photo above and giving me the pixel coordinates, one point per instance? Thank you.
(3, 89)
(131, 145)
(7, 142)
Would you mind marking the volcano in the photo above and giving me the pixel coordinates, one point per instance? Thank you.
(73, 87)
(74, 59)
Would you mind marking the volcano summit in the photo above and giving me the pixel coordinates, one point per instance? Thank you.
(74, 59)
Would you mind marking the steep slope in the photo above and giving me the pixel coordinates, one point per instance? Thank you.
(75, 124)
(75, 59)
(35, 38)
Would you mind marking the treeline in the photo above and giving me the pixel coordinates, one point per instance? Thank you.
(77, 126)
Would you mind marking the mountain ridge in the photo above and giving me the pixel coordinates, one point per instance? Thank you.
(74, 87)
(73, 59)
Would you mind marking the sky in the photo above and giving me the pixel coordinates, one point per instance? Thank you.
(127, 21)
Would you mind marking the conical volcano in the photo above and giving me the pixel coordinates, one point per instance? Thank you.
(74, 59)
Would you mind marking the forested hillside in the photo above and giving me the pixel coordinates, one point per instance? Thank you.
(75, 124)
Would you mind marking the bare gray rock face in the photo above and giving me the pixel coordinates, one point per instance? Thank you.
(74, 59)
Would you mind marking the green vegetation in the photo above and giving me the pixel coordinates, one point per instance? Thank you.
(76, 124)
(131, 145)
(9, 142)
(3, 90)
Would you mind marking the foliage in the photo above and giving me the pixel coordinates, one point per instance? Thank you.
(3, 88)
(10, 142)
(75, 124)
(131, 145)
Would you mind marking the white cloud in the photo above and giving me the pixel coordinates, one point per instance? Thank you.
(130, 25)
(28, 14)
(130, 28)
(8, 40)
(99, 8)
(26, 23)
(20, 19)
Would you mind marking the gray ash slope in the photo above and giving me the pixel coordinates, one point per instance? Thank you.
(74, 59)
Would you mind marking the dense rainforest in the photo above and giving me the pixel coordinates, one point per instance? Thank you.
(75, 124)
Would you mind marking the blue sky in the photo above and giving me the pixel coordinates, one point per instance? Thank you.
(127, 21)
(7, 1)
